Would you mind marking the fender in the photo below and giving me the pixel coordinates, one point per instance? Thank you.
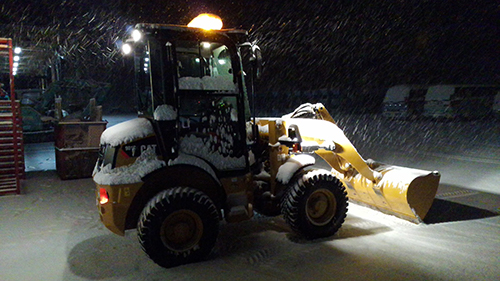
(185, 170)
(292, 166)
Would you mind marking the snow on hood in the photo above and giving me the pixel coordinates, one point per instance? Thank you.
(303, 110)
(143, 165)
(318, 129)
(127, 131)
(165, 112)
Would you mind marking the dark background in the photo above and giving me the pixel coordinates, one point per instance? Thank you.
(358, 48)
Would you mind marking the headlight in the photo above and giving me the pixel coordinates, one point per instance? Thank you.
(126, 49)
(136, 35)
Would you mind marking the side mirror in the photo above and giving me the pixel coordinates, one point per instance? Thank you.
(257, 61)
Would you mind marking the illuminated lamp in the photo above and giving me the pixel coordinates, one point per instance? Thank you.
(136, 35)
(103, 196)
(206, 22)
(126, 49)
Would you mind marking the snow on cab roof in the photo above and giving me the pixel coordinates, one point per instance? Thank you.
(127, 131)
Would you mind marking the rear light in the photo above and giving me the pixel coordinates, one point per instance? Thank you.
(296, 147)
(103, 196)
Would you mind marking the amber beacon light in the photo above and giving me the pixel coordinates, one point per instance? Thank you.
(206, 22)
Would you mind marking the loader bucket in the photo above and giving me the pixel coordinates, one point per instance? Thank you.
(403, 192)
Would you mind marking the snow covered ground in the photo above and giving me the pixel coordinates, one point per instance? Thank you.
(52, 231)
(466, 153)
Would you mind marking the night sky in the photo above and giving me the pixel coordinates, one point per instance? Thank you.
(356, 46)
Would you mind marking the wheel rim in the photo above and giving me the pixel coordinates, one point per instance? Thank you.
(181, 230)
(321, 207)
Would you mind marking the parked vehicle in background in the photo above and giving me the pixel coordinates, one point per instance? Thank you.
(461, 101)
(465, 102)
(437, 101)
(404, 101)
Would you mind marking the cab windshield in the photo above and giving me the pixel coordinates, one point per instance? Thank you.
(204, 66)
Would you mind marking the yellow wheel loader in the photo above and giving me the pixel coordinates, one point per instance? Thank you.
(195, 156)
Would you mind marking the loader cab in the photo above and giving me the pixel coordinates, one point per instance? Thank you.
(190, 83)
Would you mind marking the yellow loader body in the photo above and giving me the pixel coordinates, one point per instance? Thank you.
(404, 192)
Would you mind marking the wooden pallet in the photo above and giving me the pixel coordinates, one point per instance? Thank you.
(11, 148)
(11, 132)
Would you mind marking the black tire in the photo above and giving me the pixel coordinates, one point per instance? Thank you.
(178, 226)
(315, 205)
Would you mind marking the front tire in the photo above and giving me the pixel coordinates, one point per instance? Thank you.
(178, 226)
(315, 205)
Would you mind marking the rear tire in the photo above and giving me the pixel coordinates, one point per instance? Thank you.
(178, 226)
(315, 205)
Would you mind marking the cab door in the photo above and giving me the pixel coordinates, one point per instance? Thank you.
(211, 115)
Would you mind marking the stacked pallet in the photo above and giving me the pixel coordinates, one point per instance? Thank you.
(11, 147)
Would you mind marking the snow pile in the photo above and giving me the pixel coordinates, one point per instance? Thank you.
(218, 83)
(287, 170)
(190, 83)
(165, 112)
(197, 146)
(234, 115)
(145, 164)
(264, 130)
(222, 83)
(306, 110)
(320, 130)
(127, 131)
(251, 158)
(401, 177)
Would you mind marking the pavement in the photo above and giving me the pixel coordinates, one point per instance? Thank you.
(52, 231)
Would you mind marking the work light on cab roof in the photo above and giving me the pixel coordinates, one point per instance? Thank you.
(136, 36)
(206, 22)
